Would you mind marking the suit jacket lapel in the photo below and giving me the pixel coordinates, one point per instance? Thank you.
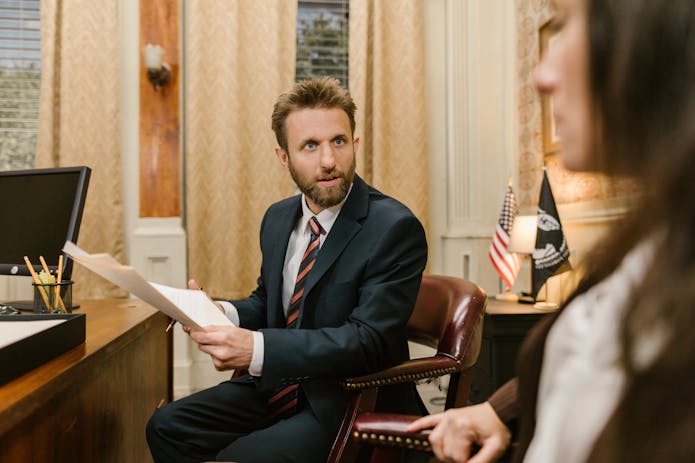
(344, 229)
(282, 226)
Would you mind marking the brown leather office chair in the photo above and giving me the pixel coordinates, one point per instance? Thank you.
(448, 316)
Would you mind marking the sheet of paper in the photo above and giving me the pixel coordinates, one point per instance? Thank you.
(194, 298)
(13, 331)
(194, 309)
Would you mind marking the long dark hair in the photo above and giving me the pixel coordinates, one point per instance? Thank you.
(642, 82)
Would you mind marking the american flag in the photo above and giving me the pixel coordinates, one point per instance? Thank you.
(506, 263)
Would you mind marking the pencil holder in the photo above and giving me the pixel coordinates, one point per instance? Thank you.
(53, 297)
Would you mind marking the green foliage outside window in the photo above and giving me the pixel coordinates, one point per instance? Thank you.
(19, 107)
(20, 79)
(322, 41)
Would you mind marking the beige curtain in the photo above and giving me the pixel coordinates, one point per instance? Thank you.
(239, 57)
(79, 119)
(387, 83)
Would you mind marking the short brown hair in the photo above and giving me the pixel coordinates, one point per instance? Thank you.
(323, 92)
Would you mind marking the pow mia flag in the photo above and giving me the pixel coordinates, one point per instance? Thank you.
(551, 253)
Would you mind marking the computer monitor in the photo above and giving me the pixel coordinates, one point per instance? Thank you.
(40, 209)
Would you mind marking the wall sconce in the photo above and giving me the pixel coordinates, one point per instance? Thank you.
(158, 72)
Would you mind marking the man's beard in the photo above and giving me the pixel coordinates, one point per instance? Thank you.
(325, 197)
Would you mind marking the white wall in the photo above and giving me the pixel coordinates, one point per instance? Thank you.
(470, 52)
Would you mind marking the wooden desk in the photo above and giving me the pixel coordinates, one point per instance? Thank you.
(92, 403)
(504, 328)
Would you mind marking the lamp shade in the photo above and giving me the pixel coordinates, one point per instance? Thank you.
(523, 236)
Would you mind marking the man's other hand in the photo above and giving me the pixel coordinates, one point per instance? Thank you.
(229, 346)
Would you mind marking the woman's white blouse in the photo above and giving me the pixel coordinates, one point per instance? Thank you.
(582, 379)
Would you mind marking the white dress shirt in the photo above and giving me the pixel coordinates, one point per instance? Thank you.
(296, 246)
(582, 379)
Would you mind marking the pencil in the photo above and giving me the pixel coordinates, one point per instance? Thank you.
(59, 280)
(38, 282)
(171, 325)
(45, 266)
(48, 276)
(58, 301)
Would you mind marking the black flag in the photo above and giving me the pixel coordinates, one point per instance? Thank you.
(551, 253)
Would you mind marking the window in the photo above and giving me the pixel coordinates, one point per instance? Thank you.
(20, 80)
(322, 39)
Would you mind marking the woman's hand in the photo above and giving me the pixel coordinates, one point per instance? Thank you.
(457, 430)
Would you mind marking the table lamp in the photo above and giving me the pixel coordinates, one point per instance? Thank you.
(523, 241)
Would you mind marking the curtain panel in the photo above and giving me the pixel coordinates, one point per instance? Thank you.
(79, 120)
(387, 82)
(239, 57)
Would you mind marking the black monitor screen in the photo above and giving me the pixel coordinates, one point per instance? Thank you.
(40, 209)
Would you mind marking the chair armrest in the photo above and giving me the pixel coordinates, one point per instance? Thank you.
(386, 429)
(406, 372)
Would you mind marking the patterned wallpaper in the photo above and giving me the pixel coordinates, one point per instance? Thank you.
(568, 187)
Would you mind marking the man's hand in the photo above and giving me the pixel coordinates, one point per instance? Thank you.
(229, 346)
(457, 430)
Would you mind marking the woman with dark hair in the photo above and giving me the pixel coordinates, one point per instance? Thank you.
(611, 376)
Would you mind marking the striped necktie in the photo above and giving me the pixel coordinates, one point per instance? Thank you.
(284, 402)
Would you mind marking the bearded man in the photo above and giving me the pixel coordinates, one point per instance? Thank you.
(341, 269)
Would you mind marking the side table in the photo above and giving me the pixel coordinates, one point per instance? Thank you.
(504, 328)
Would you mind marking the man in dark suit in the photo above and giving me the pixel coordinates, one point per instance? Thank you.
(341, 269)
